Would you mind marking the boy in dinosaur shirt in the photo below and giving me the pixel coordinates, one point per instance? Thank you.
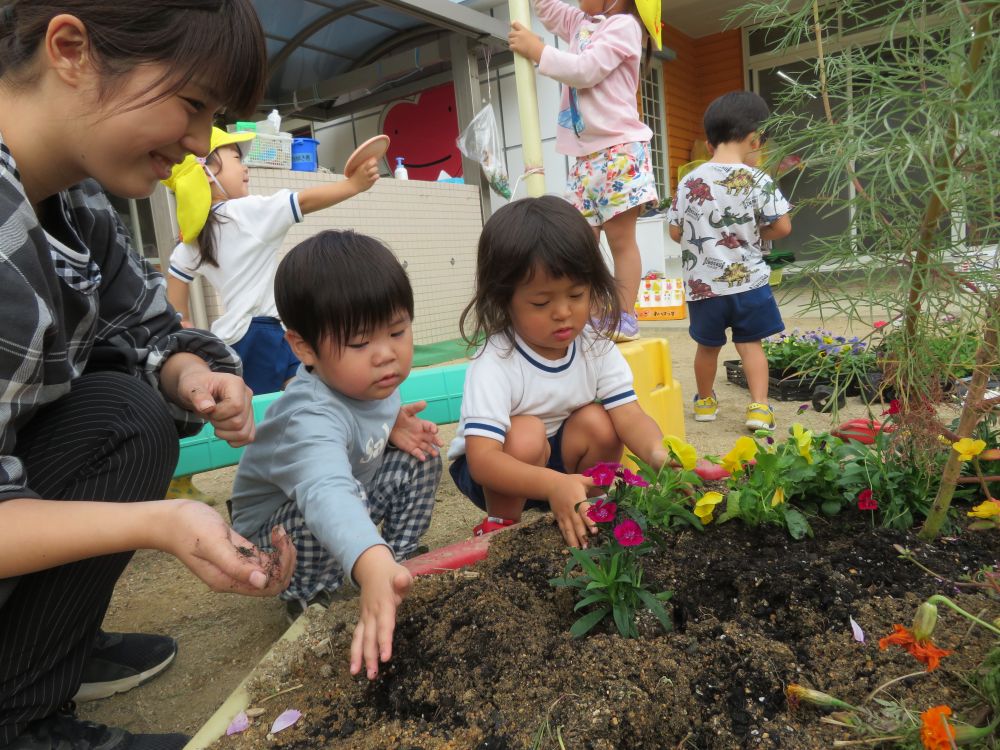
(721, 214)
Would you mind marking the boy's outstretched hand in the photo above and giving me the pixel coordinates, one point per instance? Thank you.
(384, 584)
(568, 499)
(414, 435)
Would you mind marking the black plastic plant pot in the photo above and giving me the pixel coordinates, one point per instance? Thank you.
(823, 398)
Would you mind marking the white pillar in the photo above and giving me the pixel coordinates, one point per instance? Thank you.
(527, 106)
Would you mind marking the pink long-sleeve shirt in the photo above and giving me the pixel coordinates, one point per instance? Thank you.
(602, 68)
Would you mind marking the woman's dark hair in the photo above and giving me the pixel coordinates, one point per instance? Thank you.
(734, 116)
(544, 233)
(339, 285)
(220, 41)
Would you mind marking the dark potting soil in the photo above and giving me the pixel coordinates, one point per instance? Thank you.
(485, 660)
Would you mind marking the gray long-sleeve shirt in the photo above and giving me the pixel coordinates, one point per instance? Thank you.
(310, 448)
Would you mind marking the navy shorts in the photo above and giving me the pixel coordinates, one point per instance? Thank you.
(268, 360)
(468, 486)
(752, 316)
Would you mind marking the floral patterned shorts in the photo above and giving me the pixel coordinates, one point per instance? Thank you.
(606, 183)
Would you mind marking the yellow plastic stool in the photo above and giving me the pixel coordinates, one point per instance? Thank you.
(653, 376)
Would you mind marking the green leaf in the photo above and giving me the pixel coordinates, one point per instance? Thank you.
(624, 621)
(831, 507)
(652, 602)
(587, 622)
(588, 600)
(797, 524)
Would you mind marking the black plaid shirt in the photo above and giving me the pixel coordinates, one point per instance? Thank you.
(77, 296)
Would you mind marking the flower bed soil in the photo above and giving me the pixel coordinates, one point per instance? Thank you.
(483, 659)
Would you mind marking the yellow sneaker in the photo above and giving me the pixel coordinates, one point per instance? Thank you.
(182, 488)
(705, 409)
(760, 417)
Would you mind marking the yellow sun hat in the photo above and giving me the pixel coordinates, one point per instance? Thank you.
(649, 11)
(190, 183)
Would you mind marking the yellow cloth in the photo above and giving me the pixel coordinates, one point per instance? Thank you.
(649, 11)
(190, 184)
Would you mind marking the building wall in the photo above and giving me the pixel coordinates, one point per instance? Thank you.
(432, 227)
(704, 69)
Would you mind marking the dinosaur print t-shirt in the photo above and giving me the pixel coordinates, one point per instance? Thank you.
(719, 208)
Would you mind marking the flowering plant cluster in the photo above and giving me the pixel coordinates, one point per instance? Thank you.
(610, 573)
(819, 354)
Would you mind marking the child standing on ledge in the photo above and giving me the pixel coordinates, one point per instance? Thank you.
(612, 179)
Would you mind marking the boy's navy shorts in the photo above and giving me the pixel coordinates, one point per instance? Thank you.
(468, 486)
(268, 360)
(751, 315)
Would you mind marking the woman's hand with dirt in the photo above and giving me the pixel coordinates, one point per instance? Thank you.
(568, 499)
(414, 435)
(198, 536)
(384, 584)
(221, 398)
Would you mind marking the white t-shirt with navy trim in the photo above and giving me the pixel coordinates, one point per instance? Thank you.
(503, 382)
(249, 235)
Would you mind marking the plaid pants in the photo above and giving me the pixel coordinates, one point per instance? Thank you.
(400, 496)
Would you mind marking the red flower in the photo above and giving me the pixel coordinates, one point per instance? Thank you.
(602, 511)
(633, 480)
(935, 731)
(867, 501)
(603, 474)
(628, 533)
(924, 651)
(893, 407)
(879, 324)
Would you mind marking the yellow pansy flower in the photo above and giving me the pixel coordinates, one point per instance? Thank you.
(803, 438)
(779, 497)
(987, 509)
(967, 448)
(744, 450)
(685, 452)
(706, 505)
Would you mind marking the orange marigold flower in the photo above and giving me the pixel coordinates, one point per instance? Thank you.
(923, 651)
(935, 731)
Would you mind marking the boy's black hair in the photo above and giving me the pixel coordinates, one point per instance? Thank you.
(526, 235)
(340, 285)
(734, 116)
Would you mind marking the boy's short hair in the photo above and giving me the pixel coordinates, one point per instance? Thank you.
(734, 116)
(339, 285)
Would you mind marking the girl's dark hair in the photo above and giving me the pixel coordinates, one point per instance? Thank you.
(529, 234)
(340, 285)
(208, 237)
(220, 41)
(734, 116)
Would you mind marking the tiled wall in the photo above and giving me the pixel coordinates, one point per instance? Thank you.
(432, 227)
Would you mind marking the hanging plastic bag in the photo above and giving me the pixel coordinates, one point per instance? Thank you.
(481, 141)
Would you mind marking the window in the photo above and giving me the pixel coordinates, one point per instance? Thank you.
(653, 114)
(137, 216)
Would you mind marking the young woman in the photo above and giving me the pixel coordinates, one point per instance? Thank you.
(98, 375)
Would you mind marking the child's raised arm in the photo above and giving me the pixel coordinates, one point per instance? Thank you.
(620, 39)
(640, 433)
(323, 196)
(558, 17)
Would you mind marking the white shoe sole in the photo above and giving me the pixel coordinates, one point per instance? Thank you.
(704, 417)
(753, 424)
(93, 691)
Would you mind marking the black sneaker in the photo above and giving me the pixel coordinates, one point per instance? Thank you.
(63, 731)
(122, 661)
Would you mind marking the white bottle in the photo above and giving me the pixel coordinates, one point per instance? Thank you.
(400, 173)
(275, 119)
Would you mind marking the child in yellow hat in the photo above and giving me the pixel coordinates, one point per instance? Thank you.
(599, 125)
(232, 238)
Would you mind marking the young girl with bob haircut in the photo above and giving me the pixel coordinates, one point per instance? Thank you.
(546, 396)
(99, 377)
